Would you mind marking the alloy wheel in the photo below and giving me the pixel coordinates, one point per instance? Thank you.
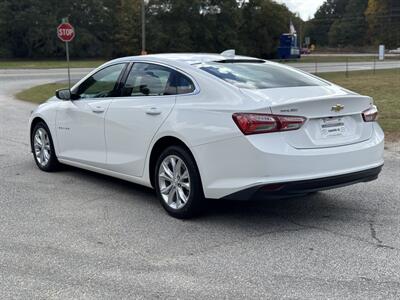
(174, 181)
(41, 146)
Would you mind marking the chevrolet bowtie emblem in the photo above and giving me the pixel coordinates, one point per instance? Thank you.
(337, 107)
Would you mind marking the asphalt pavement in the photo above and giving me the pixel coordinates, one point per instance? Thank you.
(78, 235)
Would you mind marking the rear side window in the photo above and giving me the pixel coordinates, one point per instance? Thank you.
(146, 79)
(253, 75)
(182, 84)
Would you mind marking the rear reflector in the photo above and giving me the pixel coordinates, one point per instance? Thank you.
(254, 123)
(371, 114)
(273, 187)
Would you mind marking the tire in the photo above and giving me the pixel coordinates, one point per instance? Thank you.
(180, 192)
(44, 156)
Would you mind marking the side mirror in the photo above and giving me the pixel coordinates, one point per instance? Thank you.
(64, 94)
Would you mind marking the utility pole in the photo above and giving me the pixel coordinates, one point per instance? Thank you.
(301, 35)
(143, 28)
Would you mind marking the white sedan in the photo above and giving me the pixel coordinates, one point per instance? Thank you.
(210, 126)
(394, 51)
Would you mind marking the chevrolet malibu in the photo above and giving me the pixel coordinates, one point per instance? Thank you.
(210, 126)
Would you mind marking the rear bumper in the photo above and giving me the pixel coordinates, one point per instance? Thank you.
(233, 165)
(295, 188)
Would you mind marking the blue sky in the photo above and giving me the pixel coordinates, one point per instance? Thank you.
(306, 8)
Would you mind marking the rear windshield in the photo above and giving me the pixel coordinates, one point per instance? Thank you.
(253, 75)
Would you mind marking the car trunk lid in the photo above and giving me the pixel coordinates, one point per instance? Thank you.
(334, 115)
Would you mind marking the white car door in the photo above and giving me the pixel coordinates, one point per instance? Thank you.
(80, 122)
(133, 119)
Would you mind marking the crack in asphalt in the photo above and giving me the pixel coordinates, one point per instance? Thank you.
(374, 235)
(373, 232)
(378, 243)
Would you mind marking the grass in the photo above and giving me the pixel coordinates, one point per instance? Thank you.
(61, 63)
(383, 86)
(48, 64)
(340, 59)
(40, 93)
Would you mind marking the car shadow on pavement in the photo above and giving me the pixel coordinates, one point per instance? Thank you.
(113, 183)
(317, 204)
(314, 206)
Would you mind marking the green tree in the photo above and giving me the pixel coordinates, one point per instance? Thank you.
(109, 28)
(263, 21)
(320, 25)
(28, 27)
(221, 21)
(126, 28)
(169, 26)
(251, 27)
(351, 28)
(383, 18)
(94, 28)
(5, 46)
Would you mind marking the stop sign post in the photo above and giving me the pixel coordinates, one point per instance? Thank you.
(66, 33)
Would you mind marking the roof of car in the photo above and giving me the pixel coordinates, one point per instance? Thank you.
(192, 58)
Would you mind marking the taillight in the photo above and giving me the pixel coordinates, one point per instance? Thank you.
(371, 114)
(253, 123)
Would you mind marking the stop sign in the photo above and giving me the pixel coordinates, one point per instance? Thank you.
(65, 32)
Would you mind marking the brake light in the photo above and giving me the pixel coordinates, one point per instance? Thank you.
(371, 114)
(254, 123)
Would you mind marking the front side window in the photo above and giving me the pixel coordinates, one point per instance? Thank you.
(101, 84)
(255, 75)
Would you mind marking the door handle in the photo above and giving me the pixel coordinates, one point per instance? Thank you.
(153, 111)
(98, 110)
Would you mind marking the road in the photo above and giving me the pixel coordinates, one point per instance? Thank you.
(348, 55)
(329, 67)
(78, 235)
(49, 75)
